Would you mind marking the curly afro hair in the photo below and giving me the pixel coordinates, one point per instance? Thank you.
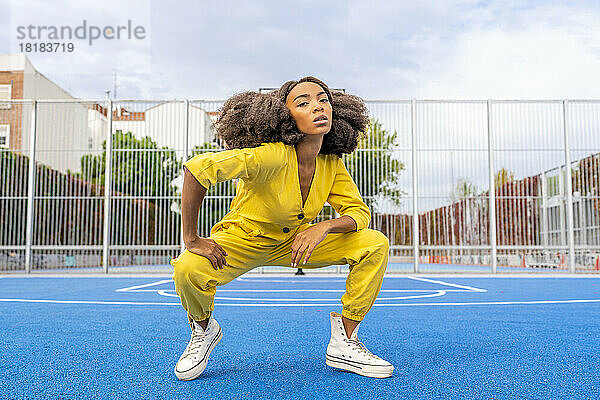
(248, 119)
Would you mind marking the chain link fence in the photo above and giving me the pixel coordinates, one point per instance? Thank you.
(484, 186)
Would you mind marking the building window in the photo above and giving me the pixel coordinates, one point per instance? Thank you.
(4, 136)
(5, 93)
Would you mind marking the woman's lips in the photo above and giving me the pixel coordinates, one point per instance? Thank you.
(321, 122)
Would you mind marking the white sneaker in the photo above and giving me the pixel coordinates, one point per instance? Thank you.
(351, 355)
(195, 356)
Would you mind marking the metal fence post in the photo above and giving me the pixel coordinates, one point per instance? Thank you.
(31, 188)
(561, 208)
(107, 188)
(582, 221)
(545, 225)
(186, 129)
(492, 192)
(569, 189)
(413, 132)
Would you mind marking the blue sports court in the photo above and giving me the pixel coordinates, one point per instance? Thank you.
(503, 337)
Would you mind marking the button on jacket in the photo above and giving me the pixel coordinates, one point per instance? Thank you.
(268, 201)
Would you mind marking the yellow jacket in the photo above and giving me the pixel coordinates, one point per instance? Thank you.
(268, 202)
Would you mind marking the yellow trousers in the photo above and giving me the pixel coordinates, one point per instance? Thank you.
(365, 251)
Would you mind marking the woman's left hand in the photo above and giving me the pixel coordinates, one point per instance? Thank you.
(307, 240)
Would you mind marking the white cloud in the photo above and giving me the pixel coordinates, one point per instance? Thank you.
(547, 51)
(385, 50)
(87, 71)
(510, 49)
(526, 64)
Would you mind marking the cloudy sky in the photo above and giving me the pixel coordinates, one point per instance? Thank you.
(459, 49)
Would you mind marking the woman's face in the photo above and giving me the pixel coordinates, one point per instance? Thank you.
(310, 107)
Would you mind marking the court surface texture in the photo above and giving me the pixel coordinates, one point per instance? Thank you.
(471, 337)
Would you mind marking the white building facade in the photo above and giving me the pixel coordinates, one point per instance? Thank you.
(69, 128)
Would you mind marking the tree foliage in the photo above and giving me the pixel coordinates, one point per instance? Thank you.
(463, 189)
(139, 167)
(374, 170)
(503, 176)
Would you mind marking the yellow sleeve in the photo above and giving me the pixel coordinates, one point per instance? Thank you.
(247, 163)
(345, 198)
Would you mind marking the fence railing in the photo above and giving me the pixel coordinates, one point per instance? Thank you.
(483, 186)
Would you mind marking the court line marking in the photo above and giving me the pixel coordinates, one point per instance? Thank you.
(465, 288)
(391, 275)
(436, 294)
(132, 288)
(305, 290)
(469, 288)
(533, 302)
(314, 279)
(118, 303)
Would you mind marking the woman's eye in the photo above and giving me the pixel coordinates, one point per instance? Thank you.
(326, 100)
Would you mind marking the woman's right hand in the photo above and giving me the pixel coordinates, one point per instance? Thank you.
(208, 248)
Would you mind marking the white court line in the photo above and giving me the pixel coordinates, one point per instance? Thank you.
(487, 303)
(437, 294)
(308, 290)
(289, 280)
(116, 303)
(171, 292)
(447, 284)
(391, 275)
(131, 288)
(481, 303)
(137, 288)
(469, 288)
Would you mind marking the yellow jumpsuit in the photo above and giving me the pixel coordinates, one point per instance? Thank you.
(266, 215)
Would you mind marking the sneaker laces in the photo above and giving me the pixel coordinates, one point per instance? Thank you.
(195, 342)
(358, 345)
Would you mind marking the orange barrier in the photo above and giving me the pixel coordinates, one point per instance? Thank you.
(562, 258)
(438, 259)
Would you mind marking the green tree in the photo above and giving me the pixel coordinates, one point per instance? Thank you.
(146, 172)
(139, 167)
(463, 189)
(374, 170)
(503, 176)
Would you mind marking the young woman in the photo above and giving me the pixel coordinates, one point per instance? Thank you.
(285, 148)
